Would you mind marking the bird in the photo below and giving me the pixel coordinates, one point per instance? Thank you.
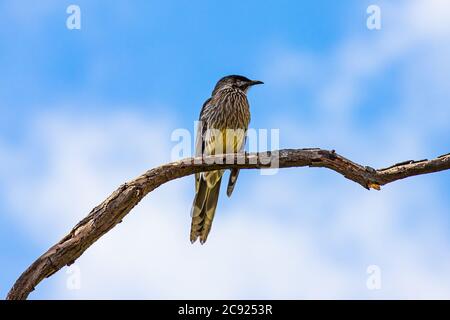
(222, 127)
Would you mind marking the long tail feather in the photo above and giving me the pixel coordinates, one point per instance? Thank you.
(210, 209)
(203, 210)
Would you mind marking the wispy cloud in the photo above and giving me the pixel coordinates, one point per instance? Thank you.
(285, 244)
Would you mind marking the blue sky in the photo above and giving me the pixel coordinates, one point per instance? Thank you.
(82, 111)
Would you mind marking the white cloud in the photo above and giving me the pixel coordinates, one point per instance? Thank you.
(275, 238)
(414, 41)
(67, 163)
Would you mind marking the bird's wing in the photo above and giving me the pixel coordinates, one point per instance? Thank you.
(200, 142)
(207, 185)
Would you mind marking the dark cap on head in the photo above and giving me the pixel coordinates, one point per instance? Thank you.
(235, 81)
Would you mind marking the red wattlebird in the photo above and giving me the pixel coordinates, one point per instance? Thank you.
(223, 124)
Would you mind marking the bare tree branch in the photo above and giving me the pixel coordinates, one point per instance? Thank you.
(111, 211)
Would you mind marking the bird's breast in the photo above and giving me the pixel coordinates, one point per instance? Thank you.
(227, 118)
(228, 110)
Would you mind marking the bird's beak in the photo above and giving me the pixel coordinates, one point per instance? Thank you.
(255, 82)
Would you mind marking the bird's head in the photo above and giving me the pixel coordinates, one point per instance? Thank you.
(235, 82)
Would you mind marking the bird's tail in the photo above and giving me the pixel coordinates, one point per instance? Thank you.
(204, 206)
(232, 181)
